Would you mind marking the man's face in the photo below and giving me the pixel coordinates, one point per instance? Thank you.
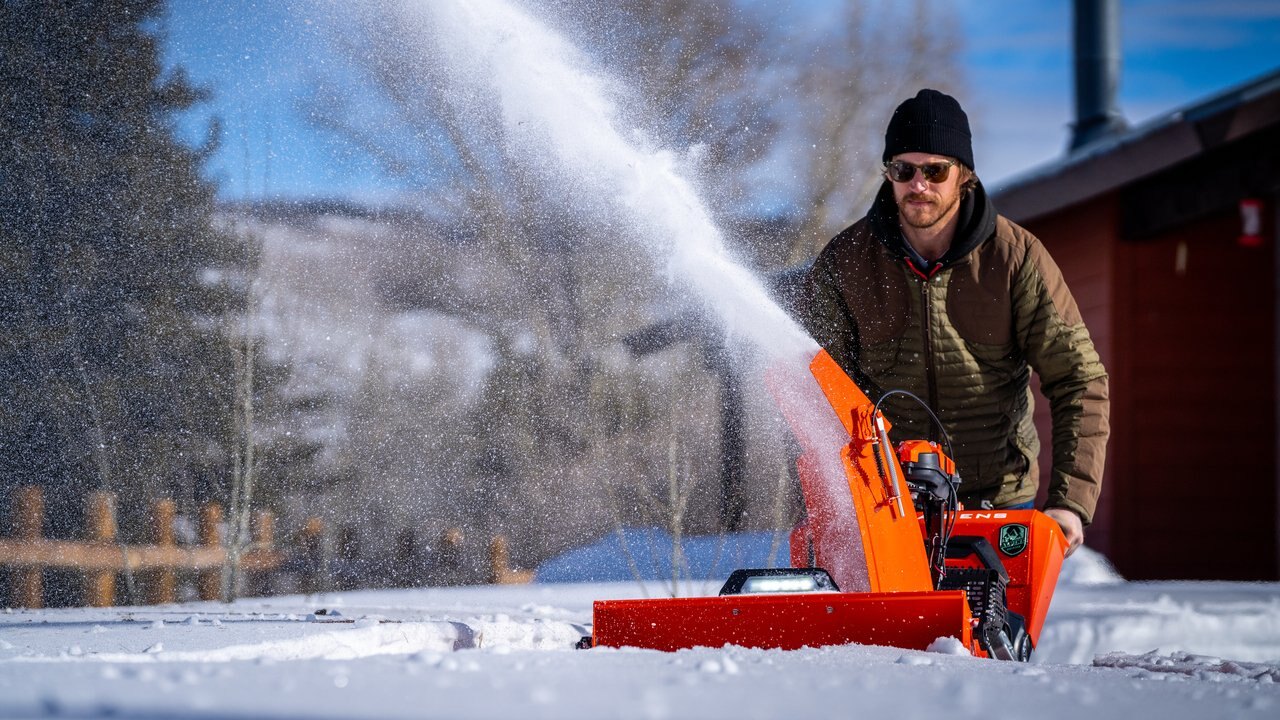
(923, 204)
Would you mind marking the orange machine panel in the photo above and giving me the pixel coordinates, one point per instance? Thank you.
(1031, 546)
(891, 537)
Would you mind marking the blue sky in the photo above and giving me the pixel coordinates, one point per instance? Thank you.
(258, 57)
(1175, 52)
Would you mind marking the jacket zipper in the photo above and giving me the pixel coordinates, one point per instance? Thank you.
(931, 383)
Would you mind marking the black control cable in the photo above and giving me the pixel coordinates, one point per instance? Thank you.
(951, 506)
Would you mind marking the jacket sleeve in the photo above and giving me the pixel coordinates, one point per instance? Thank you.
(1057, 345)
(822, 311)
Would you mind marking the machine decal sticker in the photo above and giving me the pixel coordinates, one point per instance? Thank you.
(1013, 539)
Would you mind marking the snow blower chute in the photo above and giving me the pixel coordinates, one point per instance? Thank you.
(886, 556)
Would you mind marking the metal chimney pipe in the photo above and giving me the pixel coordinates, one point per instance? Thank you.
(1097, 50)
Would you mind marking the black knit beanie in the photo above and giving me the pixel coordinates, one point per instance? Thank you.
(930, 122)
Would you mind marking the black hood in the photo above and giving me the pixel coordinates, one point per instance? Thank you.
(977, 223)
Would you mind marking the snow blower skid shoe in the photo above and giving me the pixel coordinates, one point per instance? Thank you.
(893, 576)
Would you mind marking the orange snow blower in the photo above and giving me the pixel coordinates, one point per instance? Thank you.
(886, 556)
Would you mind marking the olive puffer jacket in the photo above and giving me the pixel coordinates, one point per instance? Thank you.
(965, 337)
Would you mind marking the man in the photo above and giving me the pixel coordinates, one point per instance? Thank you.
(934, 293)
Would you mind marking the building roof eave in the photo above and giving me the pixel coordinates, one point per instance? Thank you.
(1117, 160)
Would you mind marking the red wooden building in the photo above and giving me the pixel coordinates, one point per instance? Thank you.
(1166, 233)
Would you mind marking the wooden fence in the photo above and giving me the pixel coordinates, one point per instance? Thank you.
(100, 559)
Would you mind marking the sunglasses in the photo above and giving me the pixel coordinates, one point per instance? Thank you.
(901, 172)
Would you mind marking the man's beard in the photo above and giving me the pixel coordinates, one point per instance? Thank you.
(924, 217)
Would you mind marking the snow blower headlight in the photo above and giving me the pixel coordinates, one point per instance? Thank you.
(792, 584)
(778, 580)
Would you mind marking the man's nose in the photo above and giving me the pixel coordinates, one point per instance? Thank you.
(918, 184)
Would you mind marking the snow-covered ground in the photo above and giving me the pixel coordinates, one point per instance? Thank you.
(1111, 649)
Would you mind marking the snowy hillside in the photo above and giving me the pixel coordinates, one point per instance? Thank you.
(1171, 650)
